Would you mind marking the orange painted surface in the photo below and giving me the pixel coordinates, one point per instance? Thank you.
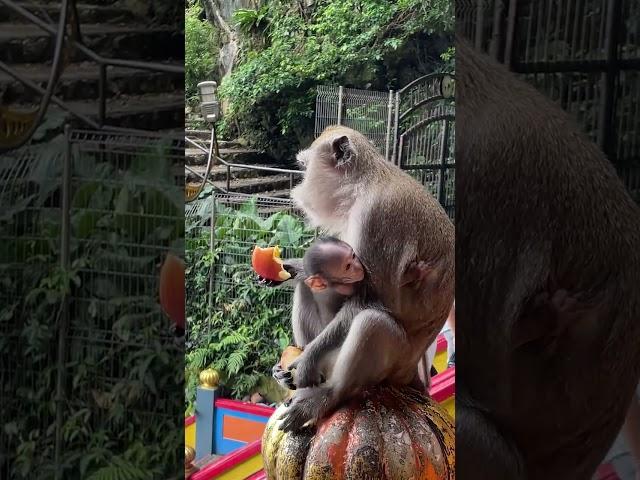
(241, 429)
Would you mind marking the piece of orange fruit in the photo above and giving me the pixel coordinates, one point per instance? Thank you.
(267, 263)
(172, 295)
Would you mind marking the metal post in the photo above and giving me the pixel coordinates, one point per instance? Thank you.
(65, 230)
(606, 124)
(212, 243)
(443, 162)
(396, 126)
(340, 93)
(102, 95)
(496, 41)
(511, 29)
(389, 117)
(479, 24)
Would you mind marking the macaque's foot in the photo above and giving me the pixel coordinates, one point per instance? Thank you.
(420, 274)
(305, 410)
(306, 374)
(283, 377)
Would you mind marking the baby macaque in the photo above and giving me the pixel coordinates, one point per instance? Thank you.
(330, 273)
(332, 264)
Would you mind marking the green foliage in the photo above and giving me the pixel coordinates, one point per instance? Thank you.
(200, 51)
(449, 58)
(120, 356)
(244, 334)
(252, 21)
(271, 92)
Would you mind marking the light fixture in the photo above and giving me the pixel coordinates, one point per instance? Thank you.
(209, 105)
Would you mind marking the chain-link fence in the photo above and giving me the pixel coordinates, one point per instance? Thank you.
(367, 111)
(93, 215)
(235, 324)
(414, 127)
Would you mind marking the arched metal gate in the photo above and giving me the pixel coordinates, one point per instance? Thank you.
(413, 127)
(424, 138)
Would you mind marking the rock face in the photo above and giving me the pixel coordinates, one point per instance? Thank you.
(220, 13)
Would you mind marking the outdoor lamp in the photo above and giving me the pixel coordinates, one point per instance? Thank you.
(447, 86)
(209, 105)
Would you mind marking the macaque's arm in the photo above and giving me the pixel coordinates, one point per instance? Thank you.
(293, 266)
(332, 336)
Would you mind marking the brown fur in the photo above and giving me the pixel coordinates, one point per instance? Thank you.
(540, 214)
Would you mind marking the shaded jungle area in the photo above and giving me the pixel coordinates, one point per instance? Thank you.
(269, 58)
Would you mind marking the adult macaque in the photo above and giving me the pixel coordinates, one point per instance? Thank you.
(549, 333)
(406, 243)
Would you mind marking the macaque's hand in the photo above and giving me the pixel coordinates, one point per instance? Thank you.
(268, 283)
(283, 377)
(293, 271)
(306, 374)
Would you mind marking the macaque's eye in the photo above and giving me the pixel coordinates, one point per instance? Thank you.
(348, 266)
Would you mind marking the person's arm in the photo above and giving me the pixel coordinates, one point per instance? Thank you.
(631, 432)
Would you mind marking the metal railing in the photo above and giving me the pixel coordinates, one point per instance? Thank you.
(103, 63)
(229, 166)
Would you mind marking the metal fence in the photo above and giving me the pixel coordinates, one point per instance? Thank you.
(230, 225)
(367, 111)
(100, 211)
(413, 127)
(584, 54)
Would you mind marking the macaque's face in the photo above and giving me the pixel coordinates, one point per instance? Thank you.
(342, 265)
(341, 269)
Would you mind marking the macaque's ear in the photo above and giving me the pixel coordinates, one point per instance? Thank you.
(315, 283)
(342, 151)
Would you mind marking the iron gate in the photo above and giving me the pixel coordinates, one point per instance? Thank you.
(425, 135)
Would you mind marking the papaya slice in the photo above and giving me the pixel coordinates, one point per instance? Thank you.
(172, 275)
(267, 263)
(289, 355)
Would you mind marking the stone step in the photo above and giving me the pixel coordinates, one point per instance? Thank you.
(89, 13)
(145, 112)
(205, 135)
(219, 173)
(80, 81)
(257, 185)
(30, 44)
(195, 156)
(284, 193)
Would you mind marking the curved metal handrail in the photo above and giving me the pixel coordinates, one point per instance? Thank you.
(54, 75)
(103, 63)
(424, 78)
(229, 165)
